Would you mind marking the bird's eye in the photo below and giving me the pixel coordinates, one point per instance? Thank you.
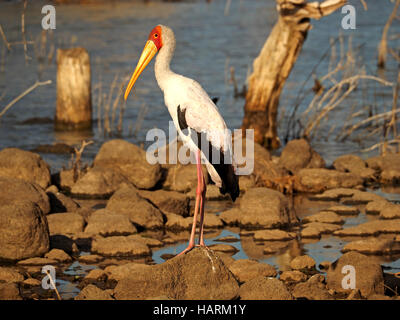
(155, 35)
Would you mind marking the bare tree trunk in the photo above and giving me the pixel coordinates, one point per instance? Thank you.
(382, 50)
(274, 63)
(74, 103)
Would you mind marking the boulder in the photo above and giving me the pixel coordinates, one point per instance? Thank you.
(246, 269)
(264, 208)
(320, 179)
(199, 274)
(25, 165)
(388, 166)
(65, 223)
(369, 275)
(354, 164)
(106, 223)
(119, 246)
(117, 273)
(99, 182)
(140, 211)
(91, 292)
(298, 154)
(168, 201)
(24, 231)
(14, 190)
(131, 161)
(262, 288)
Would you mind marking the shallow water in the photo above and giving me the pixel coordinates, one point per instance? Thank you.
(208, 44)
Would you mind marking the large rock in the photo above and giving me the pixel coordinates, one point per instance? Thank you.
(120, 246)
(182, 178)
(369, 275)
(318, 180)
(262, 288)
(302, 263)
(25, 165)
(246, 269)
(168, 201)
(14, 190)
(24, 232)
(354, 164)
(99, 182)
(65, 223)
(199, 274)
(298, 154)
(131, 161)
(140, 211)
(106, 224)
(264, 208)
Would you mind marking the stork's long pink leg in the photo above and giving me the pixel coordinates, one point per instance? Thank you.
(199, 192)
(202, 200)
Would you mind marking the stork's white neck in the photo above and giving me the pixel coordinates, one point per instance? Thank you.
(162, 65)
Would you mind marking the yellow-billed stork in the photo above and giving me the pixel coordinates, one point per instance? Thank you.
(194, 112)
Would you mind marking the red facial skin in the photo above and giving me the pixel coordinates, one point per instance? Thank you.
(155, 36)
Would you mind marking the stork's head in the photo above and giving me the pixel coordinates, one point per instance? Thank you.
(158, 36)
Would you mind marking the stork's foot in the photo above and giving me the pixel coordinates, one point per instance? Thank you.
(189, 247)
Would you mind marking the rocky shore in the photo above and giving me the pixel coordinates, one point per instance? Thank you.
(117, 212)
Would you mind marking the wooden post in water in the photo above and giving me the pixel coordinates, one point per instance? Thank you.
(74, 102)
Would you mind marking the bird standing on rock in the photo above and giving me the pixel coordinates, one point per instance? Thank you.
(197, 120)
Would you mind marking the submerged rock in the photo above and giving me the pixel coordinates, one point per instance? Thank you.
(25, 165)
(199, 274)
(316, 229)
(368, 274)
(272, 235)
(24, 232)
